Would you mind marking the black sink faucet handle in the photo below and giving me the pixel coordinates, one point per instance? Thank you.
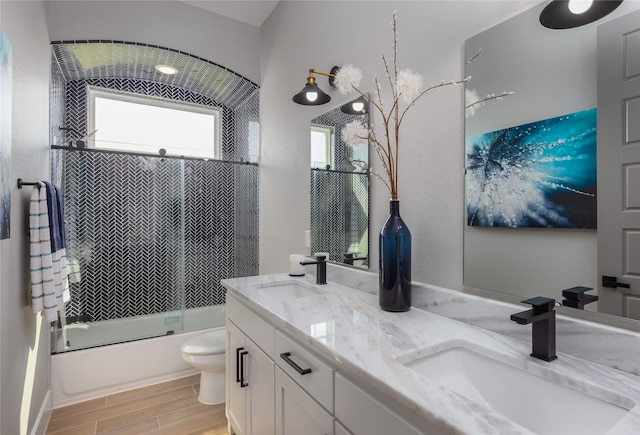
(576, 293)
(541, 304)
(576, 297)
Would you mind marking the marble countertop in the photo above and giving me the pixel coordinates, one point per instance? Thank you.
(370, 346)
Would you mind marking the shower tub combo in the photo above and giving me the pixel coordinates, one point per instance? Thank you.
(149, 235)
(86, 374)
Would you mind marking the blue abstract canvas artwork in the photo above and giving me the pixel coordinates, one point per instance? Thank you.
(541, 174)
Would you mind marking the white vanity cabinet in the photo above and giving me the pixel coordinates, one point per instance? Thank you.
(297, 412)
(304, 390)
(277, 385)
(249, 372)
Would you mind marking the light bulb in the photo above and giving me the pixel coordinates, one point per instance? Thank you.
(358, 106)
(312, 96)
(579, 6)
(166, 69)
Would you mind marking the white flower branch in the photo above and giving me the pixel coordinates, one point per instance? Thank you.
(406, 87)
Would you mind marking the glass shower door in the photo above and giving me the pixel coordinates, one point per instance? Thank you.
(124, 215)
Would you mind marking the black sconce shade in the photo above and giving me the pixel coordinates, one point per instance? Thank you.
(556, 15)
(358, 106)
(311, 95)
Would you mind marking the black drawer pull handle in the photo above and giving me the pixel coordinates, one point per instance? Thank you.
(285, 356)
(238, 378)
(242, 382)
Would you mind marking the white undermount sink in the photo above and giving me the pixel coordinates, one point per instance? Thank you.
(290, 289)
(529, 400)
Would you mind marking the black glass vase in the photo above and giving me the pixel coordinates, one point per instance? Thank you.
(394, 279)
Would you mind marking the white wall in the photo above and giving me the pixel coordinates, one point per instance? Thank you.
(24, 338)
(302, 35)
(170, 24)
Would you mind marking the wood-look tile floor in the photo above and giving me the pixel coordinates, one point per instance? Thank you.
(167, 408)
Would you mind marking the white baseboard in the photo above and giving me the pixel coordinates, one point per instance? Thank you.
(43, 417)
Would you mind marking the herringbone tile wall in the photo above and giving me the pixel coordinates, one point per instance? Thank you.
(339, 196)
(140, 237)
(339, 212)
(152, 233)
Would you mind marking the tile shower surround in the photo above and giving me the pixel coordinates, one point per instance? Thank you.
(129, 254)
(339, 198)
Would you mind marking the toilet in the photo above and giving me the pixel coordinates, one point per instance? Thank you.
(206, 353)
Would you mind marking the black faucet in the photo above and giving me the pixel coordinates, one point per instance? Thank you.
(543, 318)
(575, 297)
(350, 257)
(321, 268)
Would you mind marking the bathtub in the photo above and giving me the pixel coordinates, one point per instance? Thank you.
(91, 373)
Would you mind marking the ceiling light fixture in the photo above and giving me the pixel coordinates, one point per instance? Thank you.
(311, 94)
(567, 14)
(166, 69)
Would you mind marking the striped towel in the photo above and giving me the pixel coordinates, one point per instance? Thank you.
(48, 290)
(58, 241)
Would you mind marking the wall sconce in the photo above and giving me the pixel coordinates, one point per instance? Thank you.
(567, 14)
(359, 106)
(311, 94)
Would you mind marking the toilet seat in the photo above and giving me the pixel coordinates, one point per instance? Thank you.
(210, 343)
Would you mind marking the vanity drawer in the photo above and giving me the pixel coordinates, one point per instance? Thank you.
(260, 332)
(318, 382)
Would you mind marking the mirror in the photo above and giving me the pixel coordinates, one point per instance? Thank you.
(552, 74)
(339, 188)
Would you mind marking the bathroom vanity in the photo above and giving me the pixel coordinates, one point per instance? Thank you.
(307, 358)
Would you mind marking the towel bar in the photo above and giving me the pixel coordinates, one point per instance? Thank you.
(26, 183)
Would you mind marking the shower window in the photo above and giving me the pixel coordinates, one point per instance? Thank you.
(321, 155)
(128, 122)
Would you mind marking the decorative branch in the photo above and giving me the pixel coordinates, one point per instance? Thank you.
(406, 89)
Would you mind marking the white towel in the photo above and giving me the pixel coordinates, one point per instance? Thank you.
(47, 295)
(60, 277)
